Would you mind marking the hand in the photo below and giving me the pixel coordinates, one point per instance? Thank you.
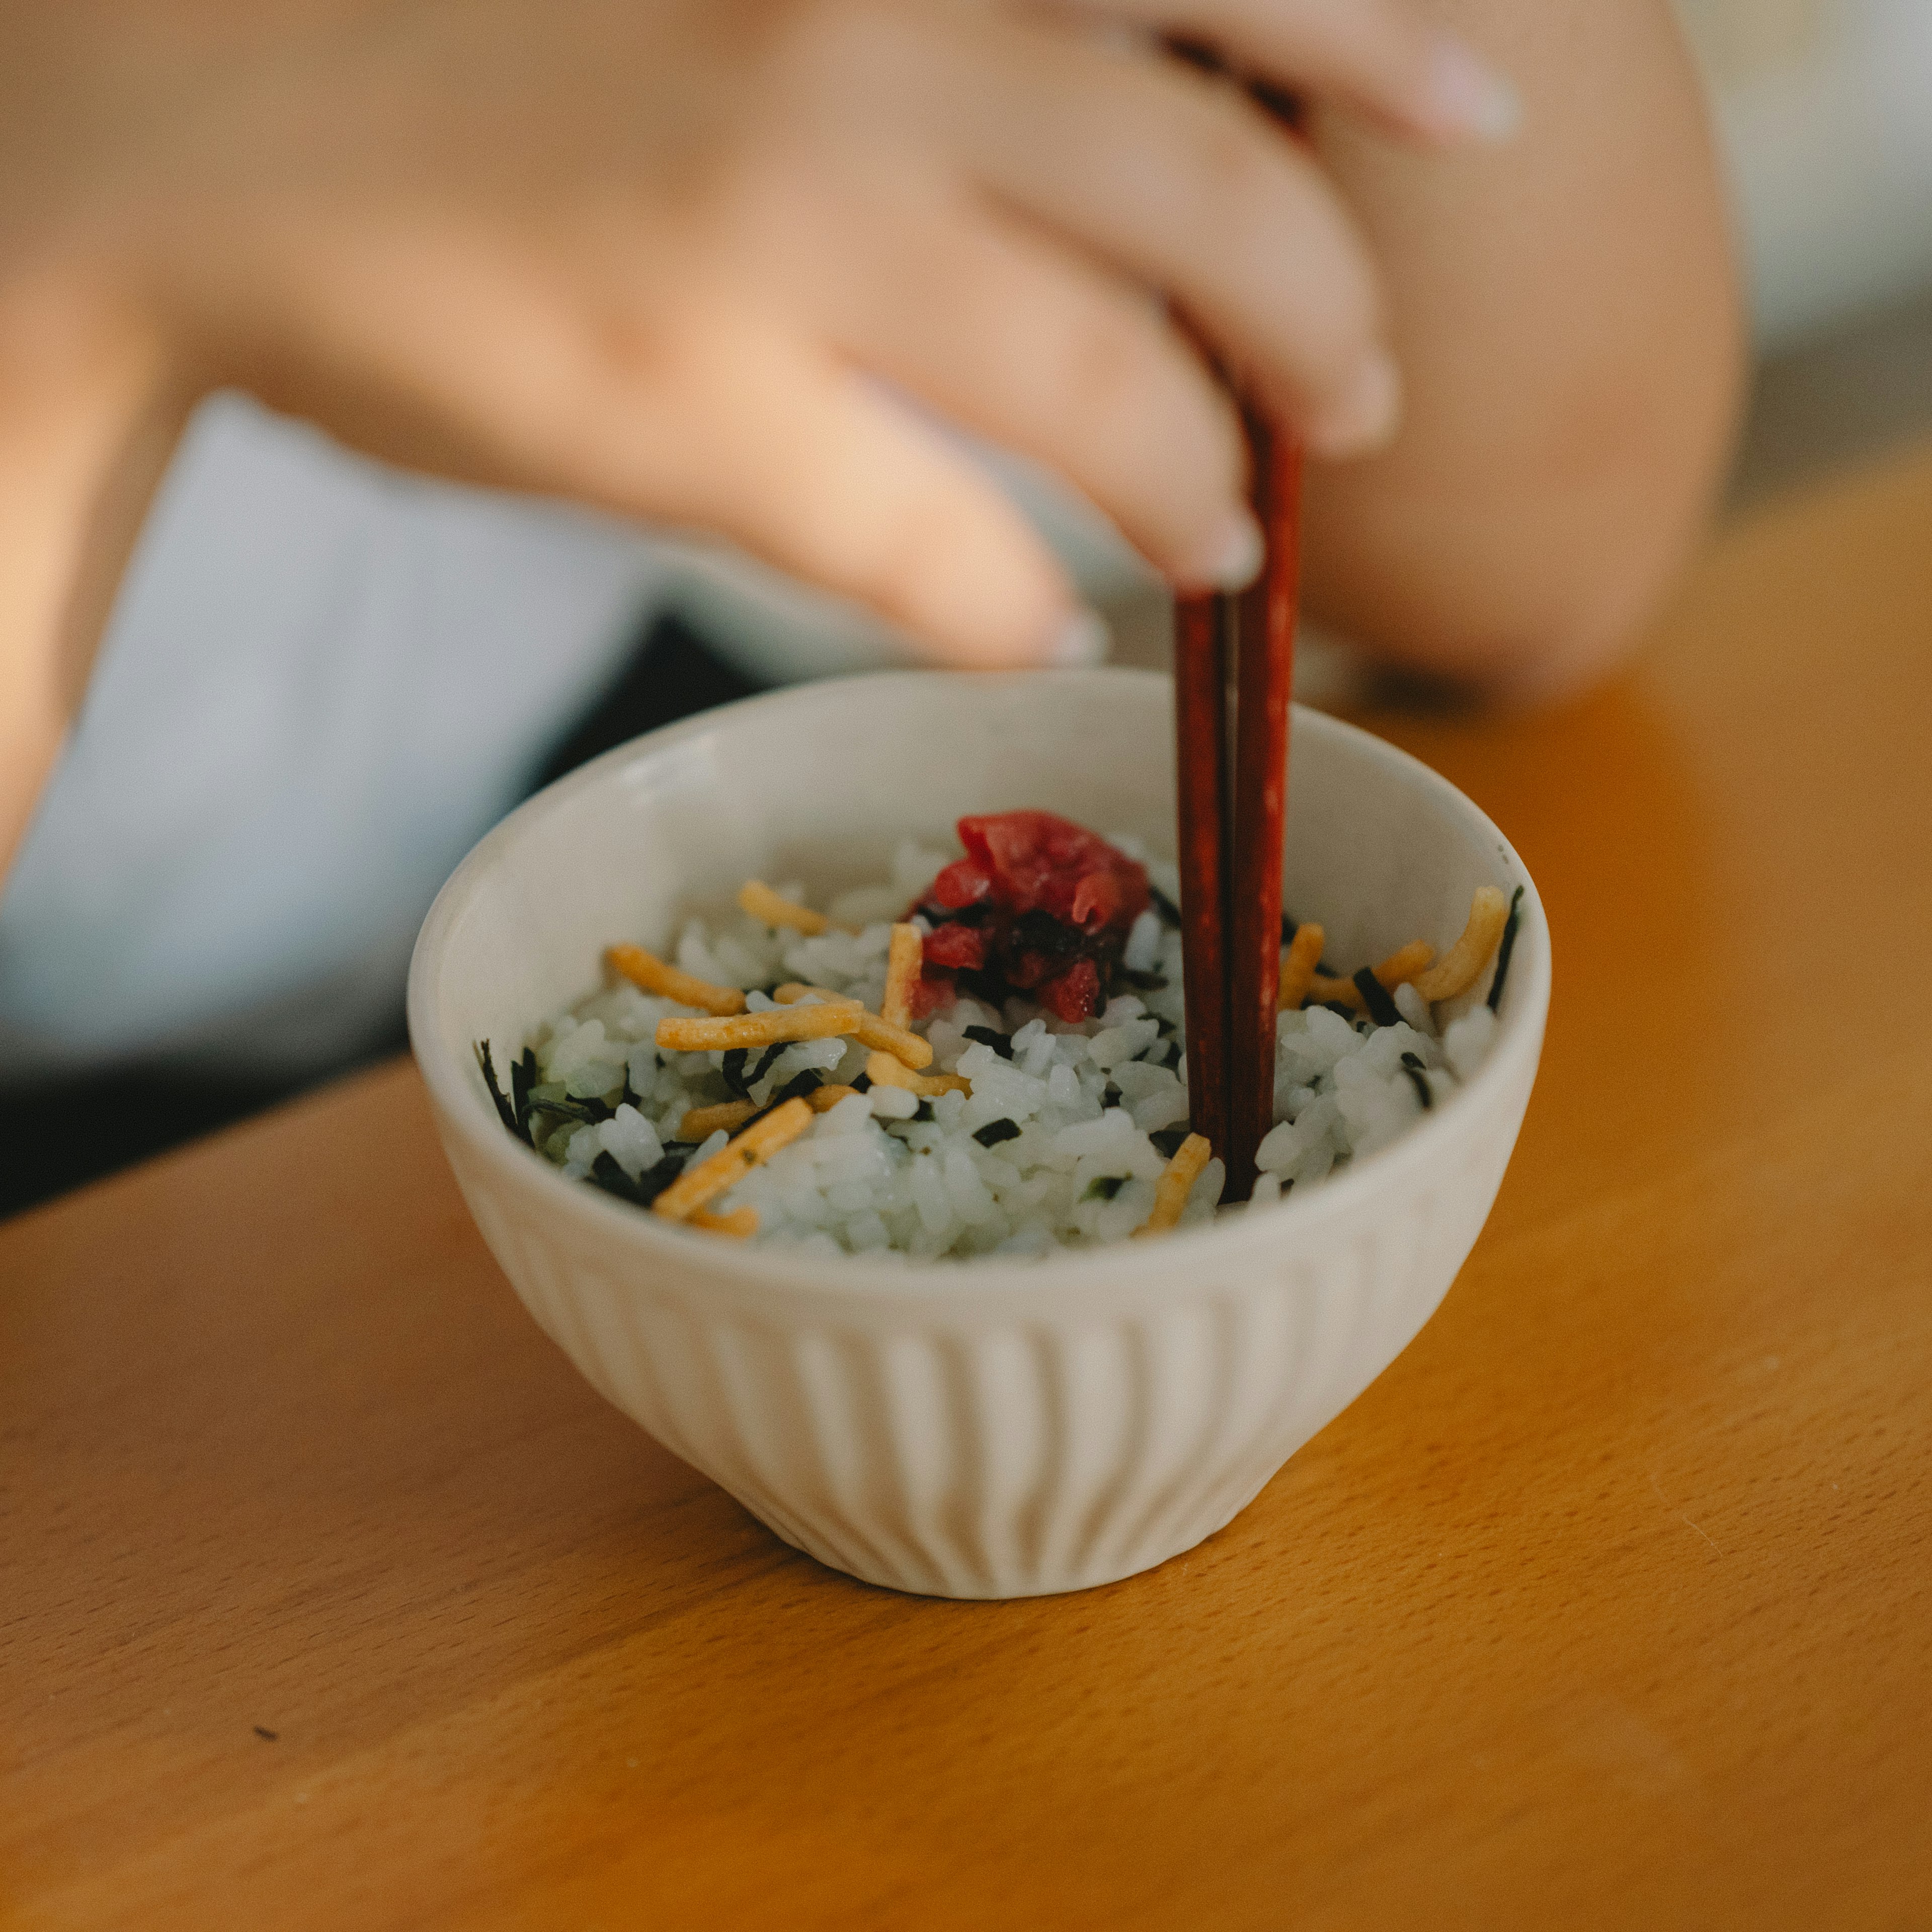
(684, 258)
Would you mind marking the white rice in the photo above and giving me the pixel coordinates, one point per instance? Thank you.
(881, 1171)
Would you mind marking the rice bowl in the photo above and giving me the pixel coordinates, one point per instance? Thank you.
(1014, 1426)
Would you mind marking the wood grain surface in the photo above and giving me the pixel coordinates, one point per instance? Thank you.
(1607, 1606)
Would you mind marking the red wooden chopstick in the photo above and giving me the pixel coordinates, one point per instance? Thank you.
(1232, 820)
(1232, 814)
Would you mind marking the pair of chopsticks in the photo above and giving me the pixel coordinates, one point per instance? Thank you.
(1238, 652)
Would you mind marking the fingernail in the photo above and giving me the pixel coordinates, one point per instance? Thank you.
(1363, 417)
(1234, 560)
(1080, 643)
(1468, 96)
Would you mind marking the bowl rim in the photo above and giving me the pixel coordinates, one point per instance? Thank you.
(1119, 1270)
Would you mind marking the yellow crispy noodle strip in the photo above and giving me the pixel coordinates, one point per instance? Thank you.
(701, 1122)
(767, 1029)
(758, 899)
(904, 964)
(730, 1164)
(1456, 971)
(1298, 966)
(1176, 1183)
(884, 1070)
(741, 1223)
(1402, 965)
(880, 1035)
(647, 971)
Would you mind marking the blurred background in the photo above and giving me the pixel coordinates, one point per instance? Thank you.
(323, 681)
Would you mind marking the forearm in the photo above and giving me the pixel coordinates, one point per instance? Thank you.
(1566, 314)
(87, 423)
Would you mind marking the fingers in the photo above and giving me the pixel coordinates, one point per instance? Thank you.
(1032, 347)
(1187, 186)
(1376, 56)
(773, 444)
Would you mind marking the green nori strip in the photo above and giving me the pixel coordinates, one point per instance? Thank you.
(988, 988)
(994, 1131)
(1382, 1009)
(1168, 1140)
(1169, 912)
(1503, 951)
(923, 1112)
(588, 1111)
(1142, 982)
(1039, 932)
(606, 1174)
(523, 1078)
(1335, 1006)
(734, 1070)
(505, 1111)
(765, 1059)
(795, 1088)
(1411, 1060)
(1105, 1187)
(863, 1084)
(1002, 1043)
(1421, 1081)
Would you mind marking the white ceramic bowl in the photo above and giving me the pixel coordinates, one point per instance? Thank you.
(975, 1429)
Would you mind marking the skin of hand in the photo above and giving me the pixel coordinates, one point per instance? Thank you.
(1567, 316)
(675, 258)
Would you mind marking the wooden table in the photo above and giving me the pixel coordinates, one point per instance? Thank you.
(330, 1597)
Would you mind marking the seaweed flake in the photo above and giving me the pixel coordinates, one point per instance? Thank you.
(1411, 1060)
(923, 1112)
(590, 1112)
(1421, 1081)
(1382, 1009)
(1335, 1006)
(1503, 951)
(863, 1084)
(1104, 1187)
(523, 1078)
(606, 1174)
(1002, 1043)
(1111, 1095)
(733, 1071)
(1167, 1141)
(765, 1059)
(1143, 982)
(1170, 913)
(795, 1088)
(506, 1111)
(994, 1131)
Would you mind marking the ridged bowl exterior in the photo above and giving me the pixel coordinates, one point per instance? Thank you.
(991, 1429)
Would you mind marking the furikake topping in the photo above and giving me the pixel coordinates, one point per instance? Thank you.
(1411, 1060)
(1503, 951)
(514, 1111)
(994, 1131)
(1420, 1081)
(1104, 1187)
(1167, 1140)
(1002, 1043)
(733, 1071)
(1382, 1009)
(607, 1175)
